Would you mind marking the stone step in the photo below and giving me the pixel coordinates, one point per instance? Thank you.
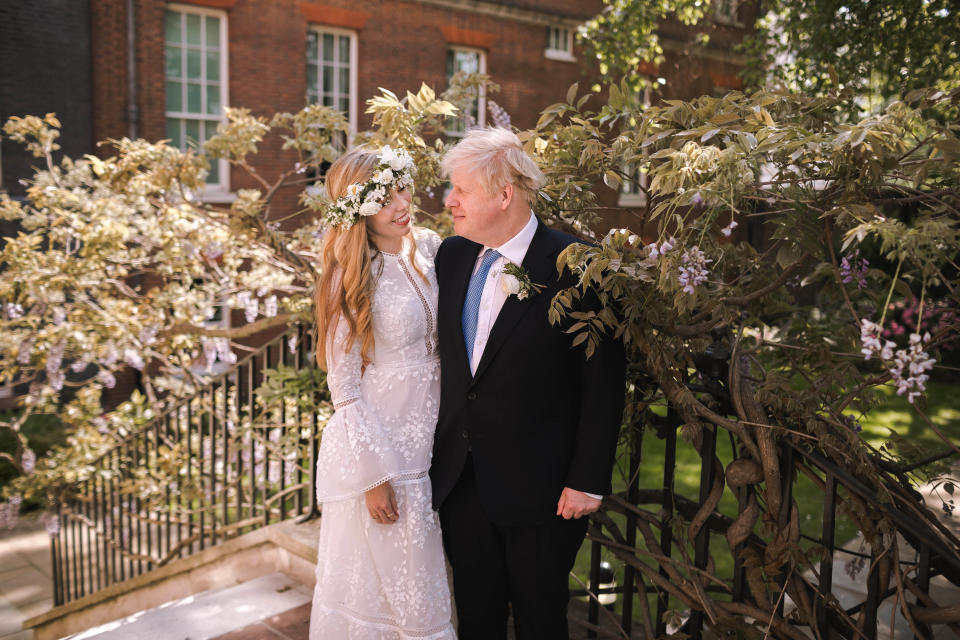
(210, 614)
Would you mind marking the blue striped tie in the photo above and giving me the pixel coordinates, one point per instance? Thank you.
(471, 305)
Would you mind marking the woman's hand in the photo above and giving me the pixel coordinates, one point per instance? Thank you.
(382, 504)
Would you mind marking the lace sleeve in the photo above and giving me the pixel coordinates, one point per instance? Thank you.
(428, 241)
(356, 453)
(344, 367)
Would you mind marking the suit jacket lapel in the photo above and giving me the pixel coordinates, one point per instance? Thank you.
(539, 263)
(453, 309)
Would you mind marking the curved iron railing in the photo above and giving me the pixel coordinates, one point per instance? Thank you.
(236, 473)
(109, 534)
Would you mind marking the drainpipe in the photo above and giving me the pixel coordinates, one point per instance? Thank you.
(133, 114)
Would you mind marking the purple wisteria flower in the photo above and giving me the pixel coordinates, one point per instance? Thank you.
(51, 522)
(270, 306)
(14, 311)
(28, 461)
(693, 269)
(853, 267)
(24, 351)
(728, 230)
(910, 366)
(107, 378)
(224, 352)
(498, 115)
(133, 358)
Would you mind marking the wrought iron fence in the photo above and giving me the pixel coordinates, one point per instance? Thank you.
(223, 463)
(231, 468)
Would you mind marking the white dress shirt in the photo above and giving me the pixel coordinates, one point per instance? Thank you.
(494, 296)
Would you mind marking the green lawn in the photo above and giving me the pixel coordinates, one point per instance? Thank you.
(894, 424)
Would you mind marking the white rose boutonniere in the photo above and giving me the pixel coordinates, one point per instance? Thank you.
(516, 282)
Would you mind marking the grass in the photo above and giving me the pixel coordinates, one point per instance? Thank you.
(893, 425)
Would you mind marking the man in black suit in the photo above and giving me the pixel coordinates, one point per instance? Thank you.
(528, 425)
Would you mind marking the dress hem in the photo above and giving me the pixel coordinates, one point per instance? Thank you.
(441, 632)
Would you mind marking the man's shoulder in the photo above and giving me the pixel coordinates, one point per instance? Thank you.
(453, 246)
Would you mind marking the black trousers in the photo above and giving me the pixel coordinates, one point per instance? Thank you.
(494, 565)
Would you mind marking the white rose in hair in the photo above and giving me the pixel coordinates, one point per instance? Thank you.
(386, 176)
(510, 284)
(353, 189)
(369, 209)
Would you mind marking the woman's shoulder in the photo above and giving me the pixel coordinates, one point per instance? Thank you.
(428, 241)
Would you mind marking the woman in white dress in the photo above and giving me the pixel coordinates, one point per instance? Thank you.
(381, 573)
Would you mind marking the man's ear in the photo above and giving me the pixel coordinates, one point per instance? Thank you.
(506, 196)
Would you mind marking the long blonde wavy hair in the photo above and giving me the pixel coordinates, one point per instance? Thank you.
(347, 279)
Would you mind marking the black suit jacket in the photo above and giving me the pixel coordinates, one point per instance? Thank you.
(538, 415)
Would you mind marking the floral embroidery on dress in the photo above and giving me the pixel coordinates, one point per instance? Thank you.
(384, 582)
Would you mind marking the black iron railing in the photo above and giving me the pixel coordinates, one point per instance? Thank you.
(222, 464)
(618, 538)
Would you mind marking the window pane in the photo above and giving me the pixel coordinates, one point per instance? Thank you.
(193, 29)
(344, 87)
(312, 97)
(213, 32)
(173, 132)
(193, 133)
(194, 104)
(344, 49)
(327, 47)
(312, 45)
(214, 176)
(327, 100)
(209, 129)
(193, 64)
(311, 77)
(344, 105)
(174, 96)
(450, 63)
(173, 61)
(172, 26)
(327, 79)
(213, 66)
(213, 99)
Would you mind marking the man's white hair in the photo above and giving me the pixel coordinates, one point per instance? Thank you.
(495, 157)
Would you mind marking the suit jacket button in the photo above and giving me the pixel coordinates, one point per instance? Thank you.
(472, 395)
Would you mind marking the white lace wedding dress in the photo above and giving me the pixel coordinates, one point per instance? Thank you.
(375, 581)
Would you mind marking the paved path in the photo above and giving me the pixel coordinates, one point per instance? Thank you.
(26, 582)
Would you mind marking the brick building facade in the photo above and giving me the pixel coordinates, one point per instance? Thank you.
(156, 69)
(159, 69)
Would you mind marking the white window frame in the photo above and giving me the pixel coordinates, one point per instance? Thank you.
(482, 98)
(629, 196)
(321, 29)
(552, 53)
(219, 191)
(729, 16)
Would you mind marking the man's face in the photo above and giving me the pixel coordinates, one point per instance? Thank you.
(477, 215)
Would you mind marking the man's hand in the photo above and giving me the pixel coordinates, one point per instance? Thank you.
(382, 504)
(576, 504)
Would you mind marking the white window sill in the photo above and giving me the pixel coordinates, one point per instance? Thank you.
(556, 54)
(632, 200)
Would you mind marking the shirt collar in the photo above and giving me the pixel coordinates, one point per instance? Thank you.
(515, 249)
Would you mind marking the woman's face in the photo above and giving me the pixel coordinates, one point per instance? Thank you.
(392, 222)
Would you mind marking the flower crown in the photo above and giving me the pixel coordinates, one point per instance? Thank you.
(394, 170)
